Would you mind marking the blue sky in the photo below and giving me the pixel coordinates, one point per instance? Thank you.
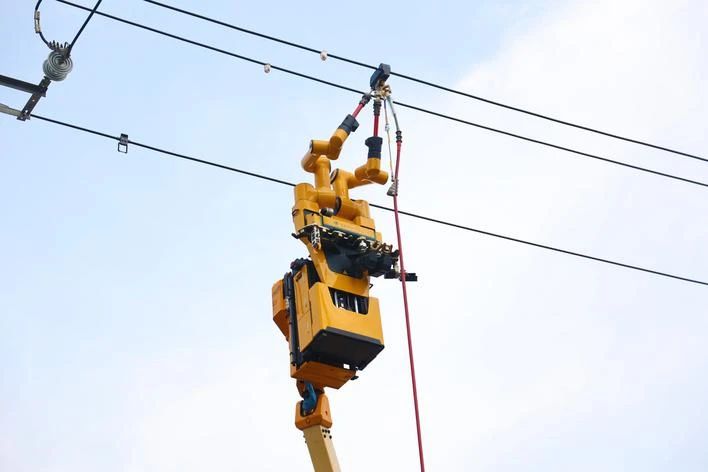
(135, 329)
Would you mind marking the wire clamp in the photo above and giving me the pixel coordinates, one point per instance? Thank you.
(123, 143)
(393, 189)
(379, 77)
(37, 26)
(323, 55)
(266, 68)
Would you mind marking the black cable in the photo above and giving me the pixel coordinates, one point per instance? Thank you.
(234, 27)
(429, 84)
(412, 107)
(81, 30)
(381, 207)
(213, 48)
(551, 145)
(36, 13)
(542, 246)
(164, 151)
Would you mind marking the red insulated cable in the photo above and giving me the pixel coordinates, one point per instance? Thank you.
(405, 307)
(376, 124)
(358, 109)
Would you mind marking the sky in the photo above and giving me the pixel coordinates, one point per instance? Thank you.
(135, 316)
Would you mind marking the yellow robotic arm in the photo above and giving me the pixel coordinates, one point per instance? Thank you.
(322, 305)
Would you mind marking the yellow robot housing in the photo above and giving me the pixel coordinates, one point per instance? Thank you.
(323, 305)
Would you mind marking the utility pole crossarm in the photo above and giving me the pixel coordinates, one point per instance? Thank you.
(23, 86)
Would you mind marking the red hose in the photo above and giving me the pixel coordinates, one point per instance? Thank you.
(358, 109)
(405, 307)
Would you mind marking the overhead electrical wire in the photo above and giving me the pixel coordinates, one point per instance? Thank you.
(39, 30)
(83, 26)
(396, 211)
(380, 207)
(428, 83)
(78, 33)
(412, 107)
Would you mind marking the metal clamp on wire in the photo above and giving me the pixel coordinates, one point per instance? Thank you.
(380, 76)
(393, 189)
(123, 143)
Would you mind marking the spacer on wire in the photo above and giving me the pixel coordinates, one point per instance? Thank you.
(123, 143)
(266, 68)
(323, 55)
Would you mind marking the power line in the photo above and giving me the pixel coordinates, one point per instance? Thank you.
(381, 207)
(56, 67)
(214, 49)
(81, 30)
(51, 45)
(553, 146)
(428, 83)
(412, 107)
(542, 246)
(165, 151)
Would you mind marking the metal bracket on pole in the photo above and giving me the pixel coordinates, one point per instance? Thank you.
(23, 86)
(34, 99)
(9, 111)
(36, 91)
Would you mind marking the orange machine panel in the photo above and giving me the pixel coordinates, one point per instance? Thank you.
(280, 311)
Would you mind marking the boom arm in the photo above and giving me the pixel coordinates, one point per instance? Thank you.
(315, 427)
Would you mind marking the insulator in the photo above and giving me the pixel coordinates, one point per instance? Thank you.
(57, 67)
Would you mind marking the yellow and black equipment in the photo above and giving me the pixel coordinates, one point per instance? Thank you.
(322, 305)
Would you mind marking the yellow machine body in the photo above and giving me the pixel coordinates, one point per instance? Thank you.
(322, 305)
(334, 328)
